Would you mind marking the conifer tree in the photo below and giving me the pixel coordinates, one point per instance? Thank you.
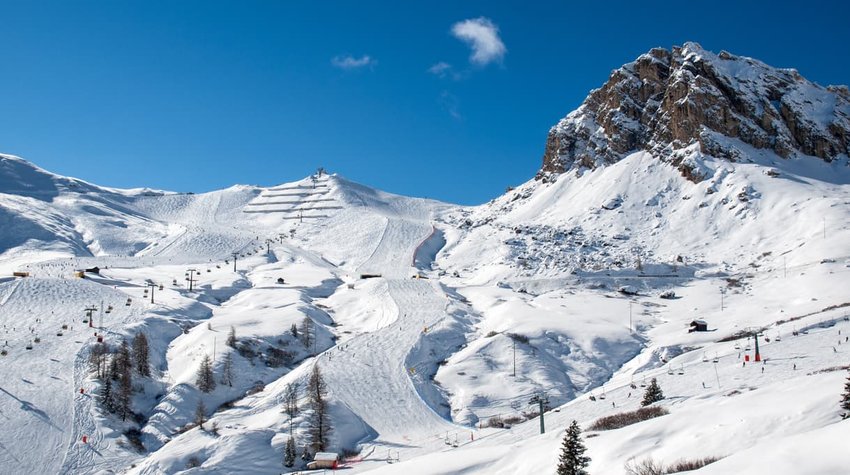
(107, 398)
(290, 399)
(289, 453)
(227, 370)
(124, 360)
(123, 396)
(200, 414)
(306, 332)
(122, 366)
(231, 338)
(845, 399)
(320, 420)
(294, 330)
(572, 460)
(653, 393)
(205, 380)
(141, 354)
(99, 359)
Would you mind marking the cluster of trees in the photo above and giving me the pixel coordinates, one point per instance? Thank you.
(319, 427)
(845, 399)
(115, 367)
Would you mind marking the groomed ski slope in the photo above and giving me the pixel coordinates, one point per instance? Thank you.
(414, 303)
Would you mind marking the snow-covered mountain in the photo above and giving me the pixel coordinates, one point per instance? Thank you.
(668, 101)
(690, 186)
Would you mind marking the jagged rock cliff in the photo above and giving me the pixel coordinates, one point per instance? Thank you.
(682, 103)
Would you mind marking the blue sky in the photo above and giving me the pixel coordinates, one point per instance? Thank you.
(199, 95)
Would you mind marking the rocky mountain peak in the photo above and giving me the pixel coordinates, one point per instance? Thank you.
(686, 102)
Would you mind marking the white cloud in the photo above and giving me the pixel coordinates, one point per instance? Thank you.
(482, 35)
(349, 62)
(440, 69)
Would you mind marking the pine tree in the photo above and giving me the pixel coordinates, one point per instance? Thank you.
(141, 354)
(227, 370)
(845, 399)
(306, 332)
(200, 414)
(320, 420)
(123, 357)
(653, 393)
(289, 453)
(99, 359)
(231, 338)
(290, 399)
(205, 380)
(107, 398)
(572, 460)
(294, 330)
(123, 396)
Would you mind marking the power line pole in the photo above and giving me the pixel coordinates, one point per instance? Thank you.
(722, 293)
(89, 314)
(234, 260)
(540, 399)
(152, 286)
(191, 278)
(630, 316)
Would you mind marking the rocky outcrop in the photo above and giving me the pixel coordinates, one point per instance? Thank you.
(687, 101)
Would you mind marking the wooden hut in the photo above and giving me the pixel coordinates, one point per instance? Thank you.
(324, 460)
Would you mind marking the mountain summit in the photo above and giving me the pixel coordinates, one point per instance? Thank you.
(679, 104)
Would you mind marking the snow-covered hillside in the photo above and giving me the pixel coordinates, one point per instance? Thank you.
(435, 325)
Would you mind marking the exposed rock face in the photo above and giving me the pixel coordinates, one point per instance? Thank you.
(684, 102)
